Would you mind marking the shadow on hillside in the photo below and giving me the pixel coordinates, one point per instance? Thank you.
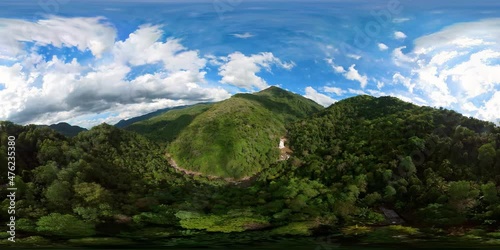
(284, 108)
(165, 130)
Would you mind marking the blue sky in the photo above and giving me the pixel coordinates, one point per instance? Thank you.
(88, 62)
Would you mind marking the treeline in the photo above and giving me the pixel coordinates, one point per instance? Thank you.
(435, 167)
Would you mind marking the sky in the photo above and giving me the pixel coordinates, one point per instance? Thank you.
(89, 62)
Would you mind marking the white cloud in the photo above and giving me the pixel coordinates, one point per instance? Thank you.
(399, 35)
(469, 107)
(443, 57)
(334, 90)
(489, 111)
(380, 85)
(336, 68)
(357, 91)
(400, 20)
(455, 68)
(476, 76)
(466, 42)
(400, 58)
(241, 71)
(463, 35)
(398, 78)
(36, 90)
(353, 75)
(382, 47)
(321, 99)
(353, 56)
(83, 33)
(171, 53)
(245, 35)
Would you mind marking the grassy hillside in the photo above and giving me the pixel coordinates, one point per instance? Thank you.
(166, 126)
(234, 138)
(239, 137)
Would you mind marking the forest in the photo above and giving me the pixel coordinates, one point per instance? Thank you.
(438, 170)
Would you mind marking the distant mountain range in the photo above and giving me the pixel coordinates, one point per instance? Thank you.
(128, 122)
(66, 129)
(215, 168)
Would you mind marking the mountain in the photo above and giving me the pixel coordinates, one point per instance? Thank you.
(166, 126)
(235, 138)
(430, 164)
(128, 122)
(356, 167)
(67, 129)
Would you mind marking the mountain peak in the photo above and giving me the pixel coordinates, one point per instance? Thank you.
(272, 90)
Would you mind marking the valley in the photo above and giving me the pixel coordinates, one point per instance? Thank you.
(261, 167)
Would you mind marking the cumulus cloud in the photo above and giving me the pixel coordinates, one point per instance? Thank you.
(382, 47)
(401, 58)
(350, 74)
(399, 35)
(319, 98)
(336, 68)
(490, 109)
(93, 34)
(38, 90)
(443, 57)
(353, 75)
(241, 70)
(146, 40)
(455, 68)
(334, 90)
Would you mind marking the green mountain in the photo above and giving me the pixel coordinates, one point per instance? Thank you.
(66, 129)
(165, 127)
(430, 164)
(127, 122)
(234, 138)
(357, 167)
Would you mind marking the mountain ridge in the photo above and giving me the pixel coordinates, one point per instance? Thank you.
(228, 138)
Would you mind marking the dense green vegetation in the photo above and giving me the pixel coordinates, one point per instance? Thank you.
(438, 169)
(66, 129)
(165, 127)
(234, 138)
(128, 122)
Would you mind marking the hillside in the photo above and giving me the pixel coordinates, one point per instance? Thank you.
(233, 138)
(430, 164)
(127, 122)
(66, 129)
(353, 163)
(165, 127)
(239, 137)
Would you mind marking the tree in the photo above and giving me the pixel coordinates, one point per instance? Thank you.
(389, 192)
(46, 174)
(486, 157)
(59, 194)
(462, 196)
(490, 193)
(64, 225)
